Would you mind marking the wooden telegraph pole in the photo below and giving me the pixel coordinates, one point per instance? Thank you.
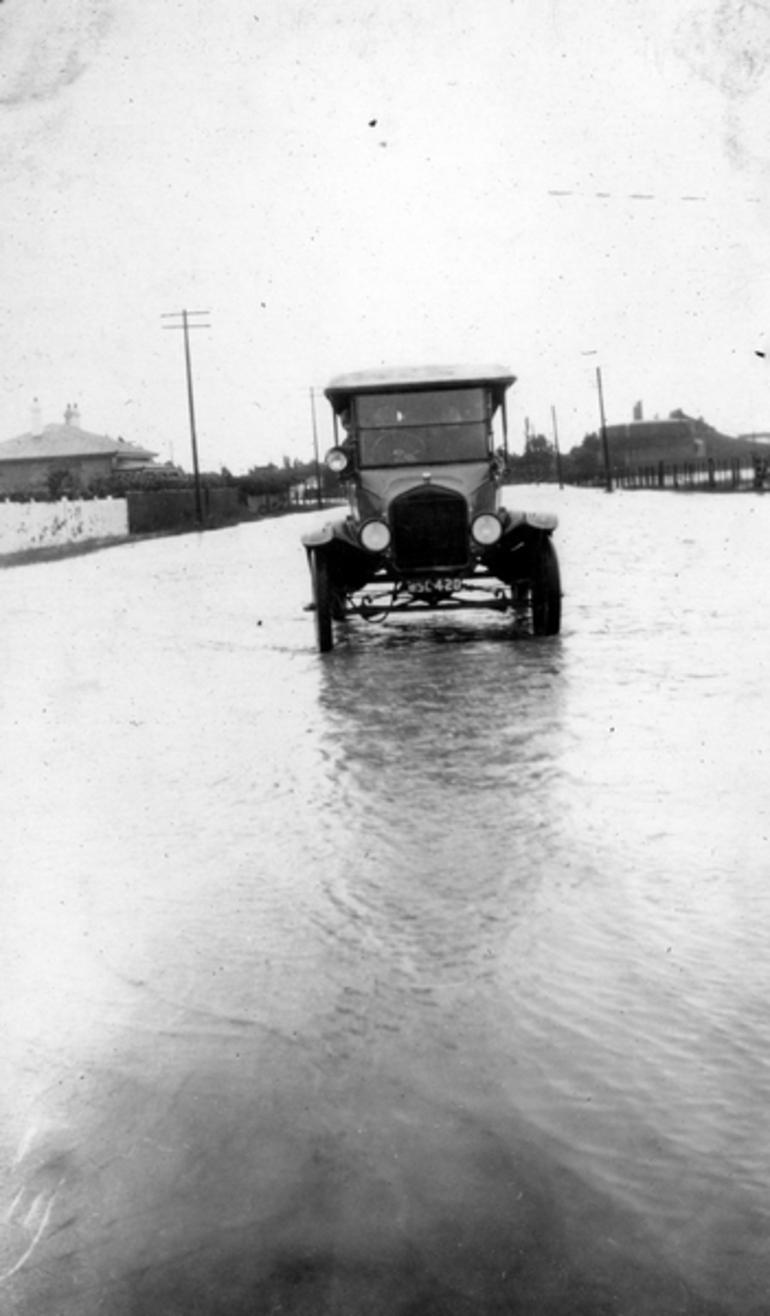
(603, 422)
(319, 498)
(186, 325)
(556, 448)
(605, 444)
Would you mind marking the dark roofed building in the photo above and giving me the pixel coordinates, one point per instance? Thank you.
(674, 439)
(29, 461)
(679, 438)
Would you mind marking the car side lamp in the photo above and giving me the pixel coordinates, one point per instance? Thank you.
(486, 529)
(337, 460)
(375, 536)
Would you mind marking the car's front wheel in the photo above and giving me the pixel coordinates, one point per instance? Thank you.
(546, 590)
(322, 601)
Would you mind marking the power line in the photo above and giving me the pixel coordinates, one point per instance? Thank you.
(635, 196)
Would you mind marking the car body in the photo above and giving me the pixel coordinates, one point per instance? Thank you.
(425, 527)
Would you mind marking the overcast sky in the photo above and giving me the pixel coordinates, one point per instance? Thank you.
(353, 183)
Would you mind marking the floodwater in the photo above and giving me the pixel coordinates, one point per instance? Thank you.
(429, 976)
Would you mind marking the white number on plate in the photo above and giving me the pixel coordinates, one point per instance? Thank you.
(442, 585)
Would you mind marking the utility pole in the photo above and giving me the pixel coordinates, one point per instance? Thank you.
(527, 457)
(506, 454)
(605, 444)
(186, 324)
(556, 448)
(319, 499)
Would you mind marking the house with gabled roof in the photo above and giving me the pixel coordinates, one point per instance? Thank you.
(65, 454)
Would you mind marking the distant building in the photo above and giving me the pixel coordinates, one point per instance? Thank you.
(679, 438)
(760, 437)
(32, 460)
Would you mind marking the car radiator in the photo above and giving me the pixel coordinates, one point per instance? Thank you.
(430, 530)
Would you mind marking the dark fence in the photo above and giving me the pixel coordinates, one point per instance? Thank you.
(174, 509)
(705, 474)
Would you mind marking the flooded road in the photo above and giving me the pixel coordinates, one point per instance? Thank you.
(428, 976)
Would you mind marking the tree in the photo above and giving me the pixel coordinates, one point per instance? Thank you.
(537, 464)
(62, 483)
(584, 464)
(541, 459)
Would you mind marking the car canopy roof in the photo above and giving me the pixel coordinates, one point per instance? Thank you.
(418, 378)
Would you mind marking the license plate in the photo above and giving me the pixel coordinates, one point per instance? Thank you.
(436, 585)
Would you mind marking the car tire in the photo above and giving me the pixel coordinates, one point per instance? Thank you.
(322, 599)
(546, 590)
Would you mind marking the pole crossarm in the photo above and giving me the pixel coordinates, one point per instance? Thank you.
(179, 315)
(184, 317)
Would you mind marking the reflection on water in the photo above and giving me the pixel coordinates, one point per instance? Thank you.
(424, 977)
(443, 767)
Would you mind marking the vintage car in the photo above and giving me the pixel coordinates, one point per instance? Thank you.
(421, 460)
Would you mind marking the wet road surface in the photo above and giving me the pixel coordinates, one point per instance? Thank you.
(428, 976)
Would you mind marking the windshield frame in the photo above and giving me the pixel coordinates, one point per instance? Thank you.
(402, 427)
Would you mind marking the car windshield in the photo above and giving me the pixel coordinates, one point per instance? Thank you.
(444, 425)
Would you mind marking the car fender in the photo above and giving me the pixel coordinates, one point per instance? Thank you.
(547, 521)
(323, 535)
(331, 530)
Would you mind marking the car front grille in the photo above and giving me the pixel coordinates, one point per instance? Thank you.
(430, 530)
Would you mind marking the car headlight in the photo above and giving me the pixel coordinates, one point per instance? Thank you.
(486, 529)
(375, 536)
(336, 459)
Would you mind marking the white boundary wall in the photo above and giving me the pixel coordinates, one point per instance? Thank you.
(25, 526)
